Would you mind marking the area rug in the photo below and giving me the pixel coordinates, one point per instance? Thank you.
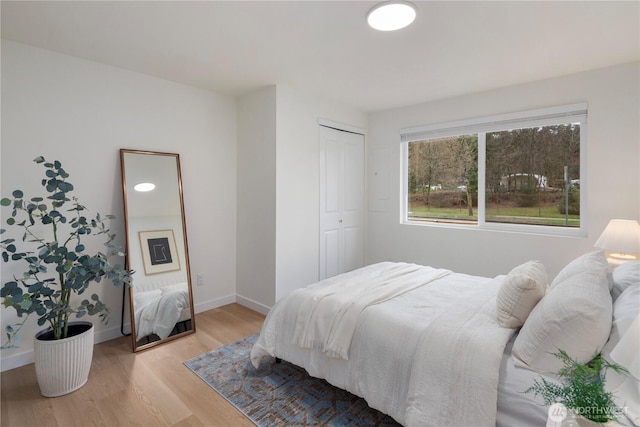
(280, 394)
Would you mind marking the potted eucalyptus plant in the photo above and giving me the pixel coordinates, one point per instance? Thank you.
(581, 390)
(56, 267)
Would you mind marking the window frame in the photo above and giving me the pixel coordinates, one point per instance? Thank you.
(573, 113)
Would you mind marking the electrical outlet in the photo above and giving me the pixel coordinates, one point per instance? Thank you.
(200, 279)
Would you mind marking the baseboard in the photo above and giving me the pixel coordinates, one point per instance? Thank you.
(253, 305)
(214, 303)
(26, 357)
(16, 360)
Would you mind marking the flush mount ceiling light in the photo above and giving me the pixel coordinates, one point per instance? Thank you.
(144, 187)
(391, 15)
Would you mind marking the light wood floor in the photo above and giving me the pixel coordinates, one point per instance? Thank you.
(149, 388)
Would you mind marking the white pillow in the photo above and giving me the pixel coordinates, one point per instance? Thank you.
(141, 299)
(176, 287)
(521, 290)
(625, 275)
(574, 316)
(625, 309)
(625, 388)
(596, 259)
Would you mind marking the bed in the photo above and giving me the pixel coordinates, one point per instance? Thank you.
(158, 311)
(431, 347)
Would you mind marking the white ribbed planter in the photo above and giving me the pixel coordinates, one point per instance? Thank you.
(573, 420)
(62, 366)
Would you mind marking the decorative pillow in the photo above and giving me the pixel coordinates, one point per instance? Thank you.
(141, 299)
(582, 263)
(625, 309)
(625, 275)
(574, 316)
(521, 290)
(625, 388)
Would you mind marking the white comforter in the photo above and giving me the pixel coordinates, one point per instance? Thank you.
(428, 356)
(161, 314)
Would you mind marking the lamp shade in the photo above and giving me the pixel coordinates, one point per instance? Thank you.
(621, 236)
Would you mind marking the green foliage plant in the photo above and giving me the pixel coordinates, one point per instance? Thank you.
(581, 388)
(55, 258)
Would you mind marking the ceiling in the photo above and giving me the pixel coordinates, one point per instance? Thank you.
(325, 49)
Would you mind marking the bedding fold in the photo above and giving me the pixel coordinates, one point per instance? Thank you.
(327, 317)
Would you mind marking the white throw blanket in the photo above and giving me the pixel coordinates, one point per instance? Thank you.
(427, 357)
(459, 357)
(328, 313)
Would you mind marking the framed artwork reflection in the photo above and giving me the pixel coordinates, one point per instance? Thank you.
(159, 253)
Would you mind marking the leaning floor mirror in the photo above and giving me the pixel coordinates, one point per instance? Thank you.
(160, 298)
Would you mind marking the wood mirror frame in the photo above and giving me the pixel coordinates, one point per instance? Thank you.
(160, 298)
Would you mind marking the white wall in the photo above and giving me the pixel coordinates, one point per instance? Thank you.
(82, 113)
(298, 184)
(278, 185)
(256, 252)
(613, 177)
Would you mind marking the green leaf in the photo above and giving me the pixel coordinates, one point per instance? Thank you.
(39, 159)
(11, 221)
(35, 287)
(5, 202)
(7, 289)
(17, 194)
(46, 292)
(65, 186)
(26, 304)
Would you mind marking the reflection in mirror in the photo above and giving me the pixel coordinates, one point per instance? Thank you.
(160, 298)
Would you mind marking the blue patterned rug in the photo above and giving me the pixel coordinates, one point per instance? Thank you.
(280, 394)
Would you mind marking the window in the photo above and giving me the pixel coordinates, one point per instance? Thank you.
(518, 171)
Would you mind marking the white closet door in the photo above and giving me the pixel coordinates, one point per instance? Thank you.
(341, 201)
